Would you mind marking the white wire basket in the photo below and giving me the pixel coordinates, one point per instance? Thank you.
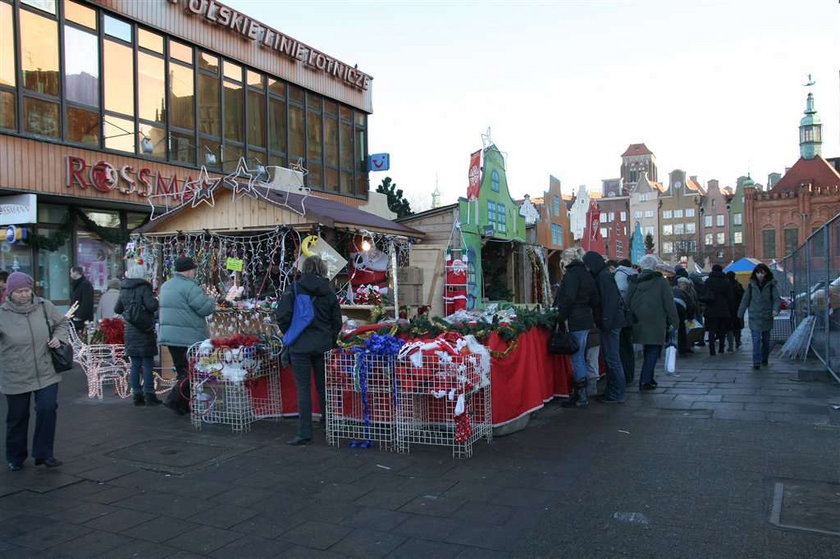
(234, 386)
(360, 399)
(443, 400)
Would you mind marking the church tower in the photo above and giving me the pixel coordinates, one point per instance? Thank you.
(810, 128)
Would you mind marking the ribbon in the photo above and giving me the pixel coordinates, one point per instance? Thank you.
(380, 345)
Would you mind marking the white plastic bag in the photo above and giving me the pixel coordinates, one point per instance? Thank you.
(670, 359)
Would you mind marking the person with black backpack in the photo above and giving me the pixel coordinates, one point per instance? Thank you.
(310, 318)
(137, 305)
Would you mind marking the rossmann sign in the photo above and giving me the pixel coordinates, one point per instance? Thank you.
(218, 14)
(128, 180)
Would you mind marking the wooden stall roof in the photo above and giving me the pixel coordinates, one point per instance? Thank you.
(249, 214)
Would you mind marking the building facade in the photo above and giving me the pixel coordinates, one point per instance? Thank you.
(614, 209)
(644, 208)
(715, 228)
(637, 161)
(678, 217)
(801, 201)
(110, 107)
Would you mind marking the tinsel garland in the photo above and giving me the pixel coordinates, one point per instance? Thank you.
(425, 326)
(384, 345)
(113, 331)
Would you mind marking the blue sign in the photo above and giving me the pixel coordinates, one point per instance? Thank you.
(379, 162)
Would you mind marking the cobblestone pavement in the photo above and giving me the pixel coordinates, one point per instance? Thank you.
(722, 461)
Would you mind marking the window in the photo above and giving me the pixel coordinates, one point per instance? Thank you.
(667, 214)
(623, 216)
(557, 207)
(648, 213)
(491, 212)
(738, 219)
(738, 238)
(81, 75)
(768, 241)
(714, 203)
(690, 227)
(709, 239)
(719, 220)
(612, 217)
(118, 29)
(296, 132)
(678, 214)
(791, 239)
(494, 181)
(7, 46)
(277, 124)
(501, 218)
(667, 247)
(604, 232)
(649, 230)
(667, 230)
(181, 96)
(679, 228)
(151, 93)
(39, 66)
(689, 212)
(644, 197)
(46, 5)
(721, 238)
(234, 111)
(637, 215)
(603, 218)
(707, 221)
(556, 234)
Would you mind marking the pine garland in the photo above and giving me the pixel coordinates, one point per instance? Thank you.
(60, 236)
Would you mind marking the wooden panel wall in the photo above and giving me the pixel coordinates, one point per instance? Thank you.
(174, 20)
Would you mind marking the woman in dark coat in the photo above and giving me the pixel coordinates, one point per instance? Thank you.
(762, 299)
(575, 299)
(734, 334)
(307, 352)
(720, 308)
(140, 337)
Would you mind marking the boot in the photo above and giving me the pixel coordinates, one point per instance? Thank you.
(721, 347)
(579, 399)
(712, 350)
(138, 399)
(152, 399)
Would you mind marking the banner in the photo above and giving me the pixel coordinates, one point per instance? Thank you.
(474, 176)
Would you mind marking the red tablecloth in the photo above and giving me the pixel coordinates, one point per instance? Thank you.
(521, 382)
(528, 377)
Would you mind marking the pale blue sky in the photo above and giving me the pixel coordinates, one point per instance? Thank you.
(711, 86)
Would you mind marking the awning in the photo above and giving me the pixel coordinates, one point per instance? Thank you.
(743, 265)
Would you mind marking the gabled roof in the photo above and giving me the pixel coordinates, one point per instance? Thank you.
(817, 171)
(691, 184)
(636, 149)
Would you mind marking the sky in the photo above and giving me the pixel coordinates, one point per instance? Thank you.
(713, 87)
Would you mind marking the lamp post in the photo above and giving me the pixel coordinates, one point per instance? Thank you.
(729, 229)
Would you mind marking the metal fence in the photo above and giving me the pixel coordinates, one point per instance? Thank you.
(812, 282)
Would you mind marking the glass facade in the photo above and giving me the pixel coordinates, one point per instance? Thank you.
(75, 73)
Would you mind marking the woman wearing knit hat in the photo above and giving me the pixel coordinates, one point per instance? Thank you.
(26, 370)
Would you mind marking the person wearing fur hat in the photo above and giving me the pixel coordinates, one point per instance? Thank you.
(184, 307)
(27, 372)
(653, 314)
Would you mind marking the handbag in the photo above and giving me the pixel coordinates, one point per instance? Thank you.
(62, 356)
(562, 342)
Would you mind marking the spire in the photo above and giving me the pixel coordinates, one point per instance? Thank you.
(436, 194)
(810, 127)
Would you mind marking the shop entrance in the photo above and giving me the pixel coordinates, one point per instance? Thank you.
(499, 271)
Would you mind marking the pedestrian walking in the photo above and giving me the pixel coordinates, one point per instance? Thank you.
(81, 295)
(184, 307)
(733, 337)
(27, 372)
(108, 300)
(320, 336)
(575, 299)
(762, 300)
(653, 315)
(609, 317)
(138, 305)
(686, 309)
(720, 308)
(625, 274)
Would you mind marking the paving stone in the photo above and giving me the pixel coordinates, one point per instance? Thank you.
(241, 496)
(252, 547)
(160, 529)
(21, 524)
(268, 525)
(479, 553)
(111, 495)
(368, 543)
(740, 415)
(317, 535)
(341, 492)
(300, 552)
(698, 398)
(92, 544)
(203, 540)
(483, 512)
(139, 548)
(325, 511)
(427, 527)
(384, 499)
(82, 513)
(433, 505)
(747, 398)
(525, 498)
(715, 406)
(415, 547)
(773, 408)
(166, 504)
(46, 537)
(375, 518)
(107, 473)
(119, 520)
(223, 516)
(798, 418)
